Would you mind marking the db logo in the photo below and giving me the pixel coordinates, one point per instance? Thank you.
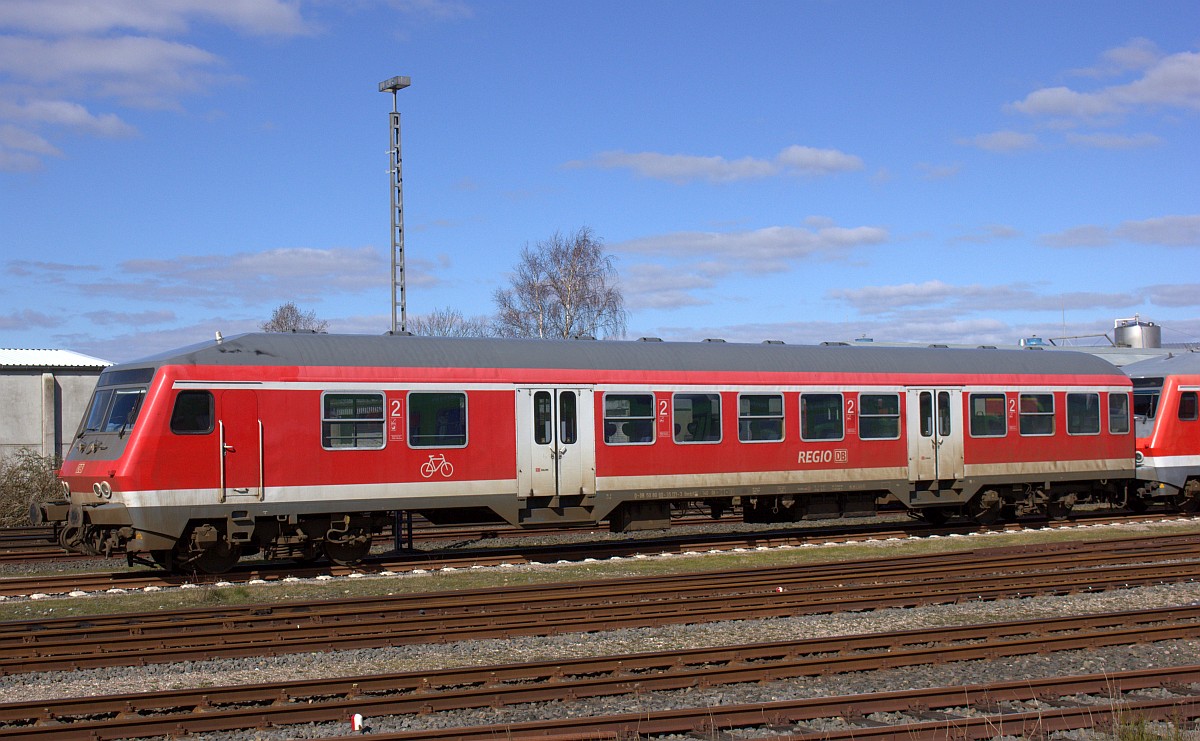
(437, 464)
(841, 455)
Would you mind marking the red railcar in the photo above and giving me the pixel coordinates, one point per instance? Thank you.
(1167, 420)
(300, 445)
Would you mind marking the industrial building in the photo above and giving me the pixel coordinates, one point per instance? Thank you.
(43, 394)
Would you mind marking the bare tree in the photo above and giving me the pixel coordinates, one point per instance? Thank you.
(288, 318)
(562, 287)
(450, 322)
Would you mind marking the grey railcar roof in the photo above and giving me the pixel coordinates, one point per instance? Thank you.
(1185, 363)
(323, 350)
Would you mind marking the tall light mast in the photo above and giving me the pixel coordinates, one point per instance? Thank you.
(394, 85)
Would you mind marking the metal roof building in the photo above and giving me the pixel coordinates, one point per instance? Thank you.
(43, 394)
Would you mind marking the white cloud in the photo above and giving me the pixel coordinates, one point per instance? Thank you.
(761, 250)
(1079, 236)
(964, 300)
(13, 138)
(1164, 231)
(80, 17)
(810, 161)
(650, 286)
(56, 55)
(684, 168)
(1113, 141)
(1183, 294)
(68, 114)
(987, 234)
(1135, 54)
(1172, 82)
(938, 172)
(1002, 141)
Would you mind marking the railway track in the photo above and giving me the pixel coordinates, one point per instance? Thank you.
(1028, 709)
(545, 609)
(210, 709)
(249, 572)
(31, 544)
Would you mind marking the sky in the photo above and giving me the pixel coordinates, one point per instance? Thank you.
(806, 171)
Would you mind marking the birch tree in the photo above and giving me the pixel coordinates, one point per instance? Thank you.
(563, 287)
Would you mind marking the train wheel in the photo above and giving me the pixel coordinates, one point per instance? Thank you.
(1188, 500)
(348, 552)
(1060, 508)
(217, 559)
(165, 559)
(307, 553)
(936, 516)
(986, 507)
(1137, 504)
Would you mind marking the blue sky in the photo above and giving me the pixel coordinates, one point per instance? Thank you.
(804, 171)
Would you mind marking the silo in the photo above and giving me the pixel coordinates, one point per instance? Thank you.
(1136, 333)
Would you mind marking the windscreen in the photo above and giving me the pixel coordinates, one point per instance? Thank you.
(1146, 392)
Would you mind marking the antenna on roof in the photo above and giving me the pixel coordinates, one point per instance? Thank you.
(220, 339)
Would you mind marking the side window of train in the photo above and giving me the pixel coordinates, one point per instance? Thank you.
(878, 416)
(1118, 414)
(192, 413)
(1083, 414)
(352, 421)
(697, 418)
(1188, 406)
(1037, 414)
(821, 417)
(437, 419)
(987, 415)
(628, 419)
(760, 418)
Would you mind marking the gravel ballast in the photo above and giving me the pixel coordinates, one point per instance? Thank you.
(469, 653)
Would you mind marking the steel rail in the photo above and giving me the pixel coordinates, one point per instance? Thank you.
(309, 701)
(408, 620)
(771, 579)
(132, 580)
(711, 721)
(791, 577)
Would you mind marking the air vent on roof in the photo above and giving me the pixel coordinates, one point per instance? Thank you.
(772, 342)
(987, 347)
(835, 344)
(649, 339)
(943, 347)
(583, 337)
(714, 339)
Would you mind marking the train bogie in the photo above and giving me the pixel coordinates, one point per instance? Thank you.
(306, 446)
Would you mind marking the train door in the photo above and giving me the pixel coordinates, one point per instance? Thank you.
(240, 438)
(556, 442)
(935, 434)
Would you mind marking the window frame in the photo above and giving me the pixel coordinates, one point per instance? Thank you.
(841, 416)
(720, 426)
(863, 414)
(1022, 415)
(750, 418)
(1095, 394)
(1195, 406)
(1128, 418)
(409, 437)
(604, 418)
(326, 437)
(212, 412)
(971, 416)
